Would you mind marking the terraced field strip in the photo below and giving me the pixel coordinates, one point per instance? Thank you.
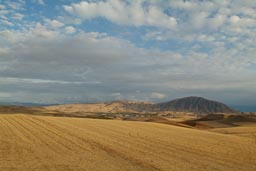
(53, 143)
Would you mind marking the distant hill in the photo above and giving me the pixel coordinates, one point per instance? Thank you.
(124, 106)
(187, 104)
(18, 109)
(195, 104)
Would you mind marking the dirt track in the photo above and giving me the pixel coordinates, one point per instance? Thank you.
(52, 143)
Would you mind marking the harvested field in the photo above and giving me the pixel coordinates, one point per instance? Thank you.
(30, 142)
(245, 130)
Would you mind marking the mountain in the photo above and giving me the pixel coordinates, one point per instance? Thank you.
(187, 104)
(125, 106)
(195, 104)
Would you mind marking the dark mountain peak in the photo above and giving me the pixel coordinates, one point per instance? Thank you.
(195, 104)
(192, 98)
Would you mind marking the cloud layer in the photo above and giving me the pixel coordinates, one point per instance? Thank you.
(204, 48)
(122, 12)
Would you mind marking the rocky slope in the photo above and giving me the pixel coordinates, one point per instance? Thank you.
(195, 104)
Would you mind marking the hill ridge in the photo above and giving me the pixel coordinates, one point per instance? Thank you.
(195, 104)
(186, 104)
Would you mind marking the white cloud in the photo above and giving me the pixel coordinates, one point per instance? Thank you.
(6, 22)
(217, 21)
(54, 23)
(2, 7)
(116, 94)
(211, 50)
(234, 19)
(70, 29)
(69, 20)
(134, 13)
(55, 63)
(4, 12)
(5, 95)
(42, 31)
(3, 50)
(6, 36)
(13, 80)
(205, 38)
(16, 5)
(18, 16)
(156, 95)
(40, 2)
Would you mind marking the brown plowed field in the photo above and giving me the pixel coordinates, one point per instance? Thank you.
(53, 143)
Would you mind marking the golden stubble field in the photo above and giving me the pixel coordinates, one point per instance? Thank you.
(53, 143)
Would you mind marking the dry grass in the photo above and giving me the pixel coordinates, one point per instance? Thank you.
(244, 130)
(53, 143)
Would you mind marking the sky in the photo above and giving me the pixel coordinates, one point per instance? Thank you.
(70, 51)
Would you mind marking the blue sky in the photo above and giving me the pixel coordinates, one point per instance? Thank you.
(89, 51)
